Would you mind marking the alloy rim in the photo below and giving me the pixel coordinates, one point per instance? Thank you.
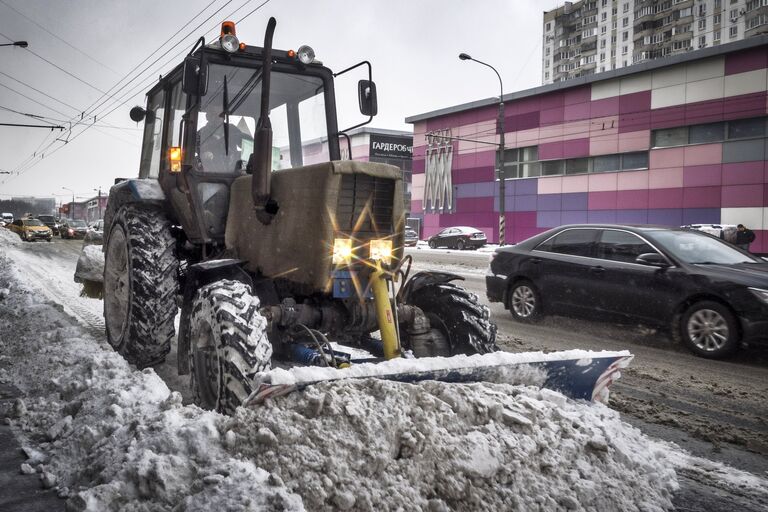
(708, 330)
(523, 301)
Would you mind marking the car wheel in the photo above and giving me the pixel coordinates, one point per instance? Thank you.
(461, 245)
(709, 330)
(432, 244)
(524, 301)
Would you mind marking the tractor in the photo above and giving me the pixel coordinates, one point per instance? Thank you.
(245, 216)
(278, 253)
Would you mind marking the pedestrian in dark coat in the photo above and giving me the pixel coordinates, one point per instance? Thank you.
(744, 237)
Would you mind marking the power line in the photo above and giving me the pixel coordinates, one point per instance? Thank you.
(57, 37)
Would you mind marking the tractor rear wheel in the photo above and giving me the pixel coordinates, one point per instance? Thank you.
(229, 345)
(458, 316)
(140, 284)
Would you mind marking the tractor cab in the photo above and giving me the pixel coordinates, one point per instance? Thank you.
(201, 122)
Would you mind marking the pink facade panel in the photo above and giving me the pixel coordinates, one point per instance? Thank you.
(701, 197)
(577, 95)
(553, 185)
(634, 141)
(743, 173)
(575, 184)
(747, 105)
(552, 116)
(665, 198)
(604, 107)
(632, 199)
(667, 117)
(577, 112)
(703, 154)
(747, 60)
(473, 175)
(704, 112)
(702, 175)
(417, 166)
(603, 200)
(742, 196)
(667, 158)
(665, 178)
(551, 150)
(635, 180)
(576, 148)
(604, 144)
(603, 182)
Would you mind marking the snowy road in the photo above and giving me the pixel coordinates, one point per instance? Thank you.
(716, 410)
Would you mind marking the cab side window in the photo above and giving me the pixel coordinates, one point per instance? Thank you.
(621, 246)
(149, 166)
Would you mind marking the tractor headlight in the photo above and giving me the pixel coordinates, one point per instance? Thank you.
(306, 54)
(230, 43)
(342, 250)
(381, 250)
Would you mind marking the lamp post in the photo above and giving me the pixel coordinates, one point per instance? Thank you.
(99, 191)
(22, 44)
(500, 157)
(72, 204)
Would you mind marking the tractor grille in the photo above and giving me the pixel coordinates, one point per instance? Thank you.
(365, 206)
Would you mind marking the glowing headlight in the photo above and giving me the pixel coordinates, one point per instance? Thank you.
(342, 250)
(230, 43)
(306, 54)
(381, 250)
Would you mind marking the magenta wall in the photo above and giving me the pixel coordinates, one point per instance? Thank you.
(686, 184)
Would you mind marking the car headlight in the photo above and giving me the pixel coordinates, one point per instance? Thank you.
(342, 250)
(760, 294)
(381, 250)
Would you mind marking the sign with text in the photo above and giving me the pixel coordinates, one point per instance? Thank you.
(390, 146)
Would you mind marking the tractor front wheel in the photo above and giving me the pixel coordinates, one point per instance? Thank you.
(458, 316)
(229, 345)
(140, 284)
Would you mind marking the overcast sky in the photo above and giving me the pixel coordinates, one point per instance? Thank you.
(412, 44)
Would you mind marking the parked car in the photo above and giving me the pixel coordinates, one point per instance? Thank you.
(73, 229)
(7, 217)
(31, 230)
(459, 237)
(51, 222)
(95, 234)
(725, 232)
(710, 294)
(411, 237)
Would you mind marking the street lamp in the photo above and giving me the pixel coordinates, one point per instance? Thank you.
(500, 156)
(99, 191)
(22, 44)
(72, 204)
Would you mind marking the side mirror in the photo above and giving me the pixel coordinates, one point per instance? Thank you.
(652, 259)
(194, 80)
(138, 114)
(366, 93)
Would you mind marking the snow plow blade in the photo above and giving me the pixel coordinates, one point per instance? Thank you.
(578, 374)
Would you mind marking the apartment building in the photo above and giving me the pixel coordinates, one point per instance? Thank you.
(592, 36)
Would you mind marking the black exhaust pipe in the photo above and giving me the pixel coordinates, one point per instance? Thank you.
(260, 162)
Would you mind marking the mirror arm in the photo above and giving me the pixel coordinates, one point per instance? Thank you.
(370, 79)
(349, 143)
(200, 42)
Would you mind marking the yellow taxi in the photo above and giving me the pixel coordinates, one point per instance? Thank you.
(31, 230)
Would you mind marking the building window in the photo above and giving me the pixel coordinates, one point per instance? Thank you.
(625, 22)
(703, 133)
(702, 41)
(577, 166)
(549, 26)
(625, 36)
(626, 8)
(606, 163)
(703, 24)
(716, 19)
(670, 137)
(733, 32)
(716, 37)
(552, 167)
(633, 161)
(604, 16)
(745, 128)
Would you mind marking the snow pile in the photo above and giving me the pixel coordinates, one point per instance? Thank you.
(373, 444)
(90, 264)
(113, 438)
(8, 237)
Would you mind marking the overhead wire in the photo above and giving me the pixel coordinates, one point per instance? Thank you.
(125, 98)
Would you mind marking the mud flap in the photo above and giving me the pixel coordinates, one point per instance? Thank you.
(577, 374)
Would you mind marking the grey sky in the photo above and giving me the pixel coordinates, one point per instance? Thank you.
(412, 44)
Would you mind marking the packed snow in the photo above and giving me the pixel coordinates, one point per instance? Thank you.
(109, 437)
(90, 264)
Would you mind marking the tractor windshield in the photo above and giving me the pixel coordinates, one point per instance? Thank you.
(229, 111)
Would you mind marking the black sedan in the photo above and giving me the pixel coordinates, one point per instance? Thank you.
(51, 222)
(711, 295)
(459, 237)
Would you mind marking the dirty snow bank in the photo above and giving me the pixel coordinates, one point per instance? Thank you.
(90, 264)
(113, 438)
